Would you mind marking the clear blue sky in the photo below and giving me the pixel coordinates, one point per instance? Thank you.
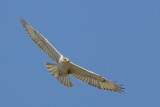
(118, 39)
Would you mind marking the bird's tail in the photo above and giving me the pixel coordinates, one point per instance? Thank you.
(65, 80)
(52, 69)
(62, 78)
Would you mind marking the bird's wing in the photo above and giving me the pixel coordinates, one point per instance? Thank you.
(93, 79)
(42, 42)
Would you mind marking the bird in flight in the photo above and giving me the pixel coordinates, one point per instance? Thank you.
(64, 66)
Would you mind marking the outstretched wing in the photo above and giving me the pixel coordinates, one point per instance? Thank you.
(42, 42)
(93, 79)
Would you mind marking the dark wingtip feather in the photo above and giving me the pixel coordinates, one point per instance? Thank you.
(119, 89)
(23, 21)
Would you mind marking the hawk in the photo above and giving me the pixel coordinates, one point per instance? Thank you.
(64, 67)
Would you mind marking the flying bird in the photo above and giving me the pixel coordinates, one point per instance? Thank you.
(64, 66)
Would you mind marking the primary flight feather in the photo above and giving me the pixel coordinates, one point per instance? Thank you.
(64, 66)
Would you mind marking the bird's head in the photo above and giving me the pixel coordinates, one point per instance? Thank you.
(65, 59)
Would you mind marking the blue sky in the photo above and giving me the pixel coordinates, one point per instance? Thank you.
(118, 39)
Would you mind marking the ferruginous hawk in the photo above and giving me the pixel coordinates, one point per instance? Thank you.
(64, 66)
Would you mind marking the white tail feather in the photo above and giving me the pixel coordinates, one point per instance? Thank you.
(62, 78)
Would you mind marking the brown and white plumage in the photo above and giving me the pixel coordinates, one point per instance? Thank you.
(64, 66)
(93, 79)
(41, 41)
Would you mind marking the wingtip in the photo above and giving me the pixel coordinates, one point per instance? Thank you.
(119, 88)
(23, 21)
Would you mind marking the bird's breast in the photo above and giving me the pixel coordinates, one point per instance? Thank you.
(63, 67)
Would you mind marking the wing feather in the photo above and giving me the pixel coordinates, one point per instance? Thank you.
(42, 42)
(93, 79)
